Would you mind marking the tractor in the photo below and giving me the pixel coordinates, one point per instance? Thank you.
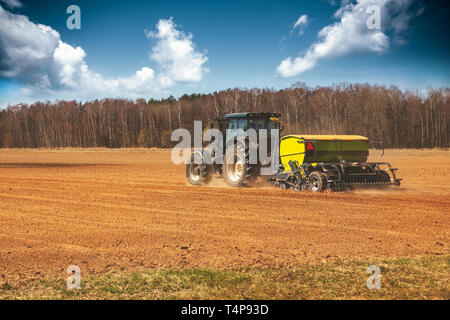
(233, 161)
(303, 162)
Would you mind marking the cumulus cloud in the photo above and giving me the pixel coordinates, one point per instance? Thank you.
(25, 48)
(350, 35)
(35, 55)
(69, 62)
(175, 52)
(301, 23)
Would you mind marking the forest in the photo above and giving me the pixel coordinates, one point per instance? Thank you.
(399, 119)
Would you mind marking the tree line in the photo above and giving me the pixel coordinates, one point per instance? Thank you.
(399, 119)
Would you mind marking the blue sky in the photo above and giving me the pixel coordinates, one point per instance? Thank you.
(232, 44)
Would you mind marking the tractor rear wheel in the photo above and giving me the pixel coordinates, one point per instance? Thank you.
(317, 181)
(235, 166)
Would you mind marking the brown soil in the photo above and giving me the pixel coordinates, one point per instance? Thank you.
(110, 210)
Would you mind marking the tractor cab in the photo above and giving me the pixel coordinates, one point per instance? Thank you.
(239, 123)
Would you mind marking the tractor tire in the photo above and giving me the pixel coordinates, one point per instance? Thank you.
(197, 173)
(317, 181)
(235, 166)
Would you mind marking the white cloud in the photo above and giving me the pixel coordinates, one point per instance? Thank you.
(13, 3)
(35, 55)
(25, 48)
(301, 23)
(350, 35)
(67, 55)
(176, 54)
(75, 74)
(69, 61)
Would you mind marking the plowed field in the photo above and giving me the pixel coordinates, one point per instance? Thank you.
(124, 210)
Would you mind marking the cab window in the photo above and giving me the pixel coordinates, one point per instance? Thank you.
(232, 124)
(235, 124)
(258, 124)
(242, 124)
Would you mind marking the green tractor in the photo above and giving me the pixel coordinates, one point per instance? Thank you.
(302, 162)
(233, 160)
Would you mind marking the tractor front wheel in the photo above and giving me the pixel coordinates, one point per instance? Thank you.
(197, 172)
